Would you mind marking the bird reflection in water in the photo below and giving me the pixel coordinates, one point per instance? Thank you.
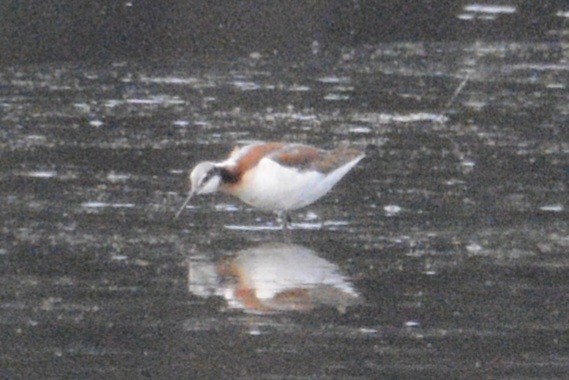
(272, 277)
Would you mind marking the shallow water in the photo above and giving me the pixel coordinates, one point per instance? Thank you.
(443, 253)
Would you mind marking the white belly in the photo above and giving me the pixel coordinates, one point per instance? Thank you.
(270, 186)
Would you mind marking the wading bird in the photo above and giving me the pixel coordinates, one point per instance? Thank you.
(274, 176)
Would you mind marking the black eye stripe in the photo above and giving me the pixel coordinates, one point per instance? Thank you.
(206, 177)
(210, 174)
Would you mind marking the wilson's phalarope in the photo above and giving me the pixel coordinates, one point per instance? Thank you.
(274, 176)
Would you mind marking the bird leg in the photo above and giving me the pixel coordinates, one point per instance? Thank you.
(285, 219)
(286, 222)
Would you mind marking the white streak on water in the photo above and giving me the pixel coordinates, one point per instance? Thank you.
(155, 100)
(115, 177)
(384, 118)
(552, 208)
(491, 9)
(96, 204)
(298, 88)
(336, 97)
(474, 247)
(170, 80)
(359, 130)
(333, 80)
(36, 138)
(391, 210)
(40, 174)
(245, 85)
(181, 123)
(236, 227)
(226, 207)
(293, 226)
(466, 16)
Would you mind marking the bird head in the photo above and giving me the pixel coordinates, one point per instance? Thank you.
(205, 178)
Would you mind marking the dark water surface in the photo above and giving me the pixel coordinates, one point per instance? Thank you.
(444, 252)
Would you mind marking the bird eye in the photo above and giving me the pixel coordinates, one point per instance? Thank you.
(212, 172)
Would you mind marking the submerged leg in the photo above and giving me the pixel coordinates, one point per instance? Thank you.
(286, 222)
(285, 219)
